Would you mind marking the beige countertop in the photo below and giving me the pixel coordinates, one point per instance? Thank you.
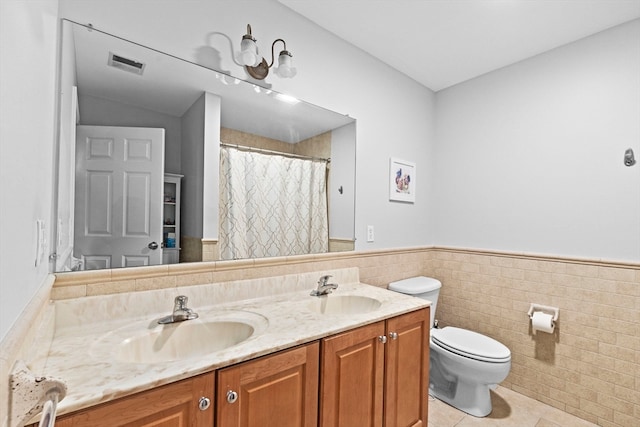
(86, 349)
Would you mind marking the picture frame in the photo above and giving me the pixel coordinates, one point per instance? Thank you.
(402, 180)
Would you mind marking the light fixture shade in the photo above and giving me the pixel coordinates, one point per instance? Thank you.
(284, 65)
(248, 54)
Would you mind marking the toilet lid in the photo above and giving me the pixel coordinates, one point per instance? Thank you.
(415, 285)
(470, 344)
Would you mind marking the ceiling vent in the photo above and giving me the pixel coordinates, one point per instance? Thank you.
(125, 64)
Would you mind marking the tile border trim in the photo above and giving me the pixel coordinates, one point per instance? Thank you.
(101, 276)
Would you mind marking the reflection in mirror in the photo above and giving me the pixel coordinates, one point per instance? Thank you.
(150, 154)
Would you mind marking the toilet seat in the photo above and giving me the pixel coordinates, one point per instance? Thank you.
(470, 344)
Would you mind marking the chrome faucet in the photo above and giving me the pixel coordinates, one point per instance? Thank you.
(324, 288)
(180, 312)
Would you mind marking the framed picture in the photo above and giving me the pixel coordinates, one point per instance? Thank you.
(402, 180)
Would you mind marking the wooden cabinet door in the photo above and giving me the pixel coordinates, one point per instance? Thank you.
(407, 370)
(352, 380)
(172, 405)
(279, 390)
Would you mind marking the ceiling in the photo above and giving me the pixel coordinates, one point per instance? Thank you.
(440, 43)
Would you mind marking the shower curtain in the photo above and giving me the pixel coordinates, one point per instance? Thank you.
(271, 205)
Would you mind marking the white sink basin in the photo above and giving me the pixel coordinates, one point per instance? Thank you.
(154, 343)
(343, 304)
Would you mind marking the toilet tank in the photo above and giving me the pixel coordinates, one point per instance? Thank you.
(422, 287)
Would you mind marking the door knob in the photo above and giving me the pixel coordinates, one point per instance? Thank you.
(153, 246)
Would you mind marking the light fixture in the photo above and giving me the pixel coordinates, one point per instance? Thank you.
(256, 65)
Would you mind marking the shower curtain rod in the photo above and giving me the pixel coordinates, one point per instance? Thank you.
(265, 151)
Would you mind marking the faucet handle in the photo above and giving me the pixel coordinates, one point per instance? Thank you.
(180, 303)
(324, 279)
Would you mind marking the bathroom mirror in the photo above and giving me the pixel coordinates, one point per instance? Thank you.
(110, 82)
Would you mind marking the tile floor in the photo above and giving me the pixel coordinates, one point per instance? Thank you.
(510, 409)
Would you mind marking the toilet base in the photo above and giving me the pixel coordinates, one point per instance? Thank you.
(464, 383)
(474, 399)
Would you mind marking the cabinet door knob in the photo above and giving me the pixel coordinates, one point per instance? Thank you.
(232, 396)
(204, 403)
(382, 339)
(393, 335)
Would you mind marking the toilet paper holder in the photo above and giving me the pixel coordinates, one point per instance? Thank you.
(545, 309)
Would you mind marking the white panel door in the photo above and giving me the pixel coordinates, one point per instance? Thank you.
(118, 197)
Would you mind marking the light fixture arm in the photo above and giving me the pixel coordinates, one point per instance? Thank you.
(273, 45)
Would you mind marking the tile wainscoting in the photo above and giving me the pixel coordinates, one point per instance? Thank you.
(590, 367)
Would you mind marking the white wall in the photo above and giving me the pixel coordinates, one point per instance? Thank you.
(342, 206)
(211, 173)
(201, 167)
(28, 36)
(192, 155)
(530, 157)
(394, 113)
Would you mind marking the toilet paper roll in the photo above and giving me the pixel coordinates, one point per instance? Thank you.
(543, 322)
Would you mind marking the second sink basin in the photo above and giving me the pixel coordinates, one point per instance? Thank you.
(154, 343)
(343, 304)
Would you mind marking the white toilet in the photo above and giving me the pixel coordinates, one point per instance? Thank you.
(464, 365)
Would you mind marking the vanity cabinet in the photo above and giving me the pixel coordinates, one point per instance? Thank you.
(371, 376)
(407, 370)
(279, 390)
(377, 375)
(173, 405)
(352, 381)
